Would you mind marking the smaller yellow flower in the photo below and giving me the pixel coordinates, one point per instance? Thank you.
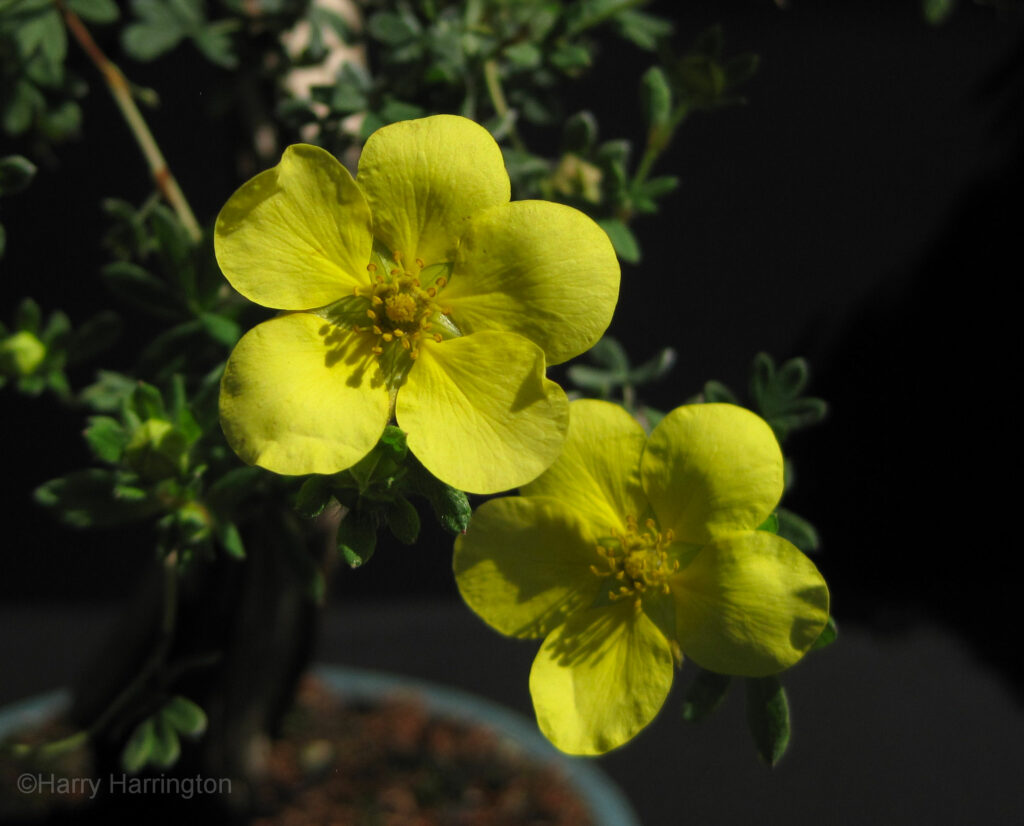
(416, 291)
(629, 551)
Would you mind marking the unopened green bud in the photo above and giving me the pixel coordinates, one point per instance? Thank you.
(157, 450)
(21, 354)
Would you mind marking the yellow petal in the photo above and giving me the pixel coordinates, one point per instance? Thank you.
(710, 469)
(749, 604)
(300, 395)
(597, 474)
(600, 678)
(480, 414)
(424, 178)
(543, 270)
(524, 565)
(296, 236)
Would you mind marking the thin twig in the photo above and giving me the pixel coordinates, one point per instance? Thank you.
(121, 92)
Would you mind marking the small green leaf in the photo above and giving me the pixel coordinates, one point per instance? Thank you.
(147, 41)
(716, 392)
(139, 748)
(141, 288)
(109, 392)
(403, 520)
(95, 11)
(768, 717)
(166, 745)
(94, 497)
(16, 173)
(937, 12)
(184, 716)
(798, 531)
(392, 29)
(28, 316)
(222, 330)
(654, 368)
(147, 402)
(579, 133)
(229, 538)
(106, 438)
(704, 695)
(622, 238)
(357, 538)
(93, 337)
(313, 496)
(829, 634)
(593, 378)
(656, 98)
(608, 352)
(770, 525)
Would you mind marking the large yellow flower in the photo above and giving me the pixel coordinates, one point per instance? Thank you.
(416, 290)
(630, 551)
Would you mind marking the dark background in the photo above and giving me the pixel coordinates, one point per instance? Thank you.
(863, 210)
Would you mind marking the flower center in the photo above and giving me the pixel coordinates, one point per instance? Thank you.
(403, 306)
(637, 560)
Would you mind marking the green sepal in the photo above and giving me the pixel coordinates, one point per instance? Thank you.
(771, 524)
(798, 531)
(184, 716)
(829, 634)
(403, 520)
(139, 748)
(768, 717)
(357, 537)
(704, 695)
(383, 464)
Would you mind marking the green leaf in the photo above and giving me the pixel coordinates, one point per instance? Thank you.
(233, 487)
(216, 46)
(704, 695)
(313, 496)
(403, 520)
(643, 30)
(791, 379)
(222, 330)
(141, 288)
(94, 498)
(797, 415)
(716, 392)
(229, 538)
(654, 368)
(392, 29)
(579, 133)
(93, 337)
(829, 634)
(28, 316)
(768, 717)
(798, 531)
(139, 748)
(147, 402)
(147, 41)
(608, 352)
(166, 745)
(450, 505)
(184, 716)
(95, 11)
(109, 392)
(524, 55)
(594, 378)
(937, 12)
(106, 438)
(656, 98)
(357, 538)
(16, 173)
(622, 238)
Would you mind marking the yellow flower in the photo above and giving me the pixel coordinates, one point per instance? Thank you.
(630, 551)
(415, 290)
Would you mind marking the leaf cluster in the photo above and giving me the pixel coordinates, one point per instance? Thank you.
(38, 95)
(375, 494)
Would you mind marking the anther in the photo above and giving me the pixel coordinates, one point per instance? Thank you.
(371, 267)
(438, 338)
(419, 263)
